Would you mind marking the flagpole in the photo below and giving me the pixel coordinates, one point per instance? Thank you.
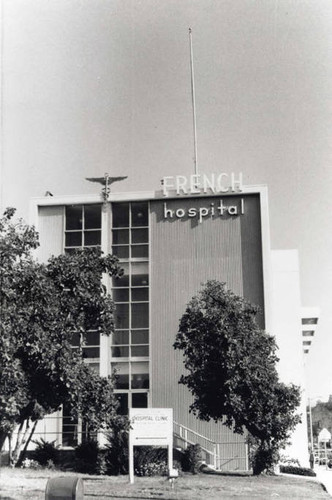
(193, 100)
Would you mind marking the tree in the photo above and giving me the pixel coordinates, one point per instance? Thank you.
(231, 371)
(43, 307)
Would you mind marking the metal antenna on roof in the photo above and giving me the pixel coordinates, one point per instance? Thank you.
(193, 99)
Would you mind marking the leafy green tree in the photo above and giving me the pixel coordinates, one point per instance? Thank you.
(43, 306)
(231, 371)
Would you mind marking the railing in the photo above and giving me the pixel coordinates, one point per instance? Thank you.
(217, 454)
(220, 455)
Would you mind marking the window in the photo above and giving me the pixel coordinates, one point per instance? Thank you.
(130, 340)
(309, 333)
(74, 430)
(90, 348)
(89, 345)
(131, 400)
(82, 227)
(309, 321)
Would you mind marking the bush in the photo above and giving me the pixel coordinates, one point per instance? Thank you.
(263, 457)
(45, 453)
(264, 460)
(192, 458)
(150, 461)
(87, 457)
(116, 453)
(29, 463)
(285, 460)
(300, 471)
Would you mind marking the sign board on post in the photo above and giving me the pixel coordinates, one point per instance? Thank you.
(150, 427)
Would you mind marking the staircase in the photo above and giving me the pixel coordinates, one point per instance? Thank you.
(220, 456)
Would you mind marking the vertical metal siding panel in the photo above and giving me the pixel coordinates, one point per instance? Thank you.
(184, 255)
(51, 231)
(252, 255)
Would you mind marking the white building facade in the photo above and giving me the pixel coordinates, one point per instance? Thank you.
(169, 243)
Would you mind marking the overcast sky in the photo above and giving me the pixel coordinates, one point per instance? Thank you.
(104, 86)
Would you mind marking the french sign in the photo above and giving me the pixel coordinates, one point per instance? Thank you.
(202, 183)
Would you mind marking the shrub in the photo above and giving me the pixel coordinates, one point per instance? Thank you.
(192, 458)
(263, 457)
(150, 461)
(300, 471)
(50, 465)
(29, 463)
(116, 453)
(285, 460)
(152, 469)
(87, 457)
(45, 452)
(264, 460)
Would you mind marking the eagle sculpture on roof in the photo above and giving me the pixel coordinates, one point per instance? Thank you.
(106, 181)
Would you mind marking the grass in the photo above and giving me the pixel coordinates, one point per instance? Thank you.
(22, 484)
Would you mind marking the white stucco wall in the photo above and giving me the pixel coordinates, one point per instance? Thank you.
(286, 326)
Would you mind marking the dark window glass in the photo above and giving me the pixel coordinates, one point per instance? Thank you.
(73, 239)
(140, 294)
(92, 338)
(69, 428)
(71, 250)
(120, 352)
(120, 236)
(123, 403)
(121, 252)
(140, 375)
(140, 351)
(121, 337)
(91, 352)
(140, 315)
(123, 281)
(76, 339)
(120, 282)
(92, 216)
(120, 214)
(121, 295)
(140, 276)
(122, 316)
(140, 336)
(139, 400)
(309, 333)
(74, 217)
(309, 321)
(69, 435)
(139, 235)
(139, 251)
(139, 214)
(122, 375)
(92, 238)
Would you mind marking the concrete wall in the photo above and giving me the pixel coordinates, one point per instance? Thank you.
(286, 327)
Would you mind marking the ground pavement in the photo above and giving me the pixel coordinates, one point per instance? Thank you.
(325, 476)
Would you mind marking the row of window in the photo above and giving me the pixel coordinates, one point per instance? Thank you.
(130, 341)
(130, 346)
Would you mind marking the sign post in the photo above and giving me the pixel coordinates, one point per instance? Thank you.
(150, 427)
